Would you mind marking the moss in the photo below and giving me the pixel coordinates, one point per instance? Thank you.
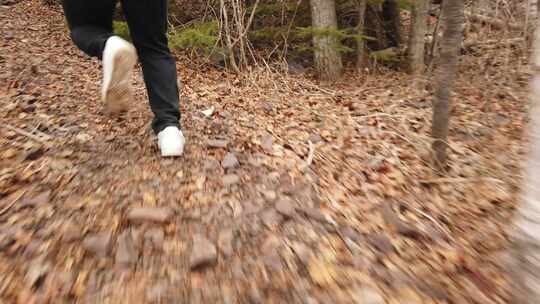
(340, 35)
(389, 55)
(267, 34)
(405, 4)
(202, 35)
(121, 29)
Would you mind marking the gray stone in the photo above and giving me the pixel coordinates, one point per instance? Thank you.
(218, 143)
(225, 242)
(126, 253)
(210, 164)
(230, 179)
(230, 161)
(150, 214)
(157, 293)
(203, 253)
(98, 244)
(71, 232)
(368, 295)
(155, 237)
(271, 219)
(285, 207)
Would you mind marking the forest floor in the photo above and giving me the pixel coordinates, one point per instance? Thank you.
(289, 192)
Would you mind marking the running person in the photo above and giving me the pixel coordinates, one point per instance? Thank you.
(90, 24)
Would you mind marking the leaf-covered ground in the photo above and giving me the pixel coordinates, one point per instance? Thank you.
(288, 192)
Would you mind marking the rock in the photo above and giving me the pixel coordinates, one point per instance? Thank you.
(368, 295)
(34, 153)
(98, 244)
(315, 138)
(83, 137)
(267, 106)
(270, 244)
(230, 179)
(269, 195)
(267, 143)
(316, 214)
(273, 261)
(271, 219)
(6, 241)
(310, 300)
(38, 200)
(254, 296)
(395, 223)
(376, 164)
(126, 253)
(237, 271)
(156, 293)
(302, 251)
(155, 237)
(36, 272)
(225, 242)
(150, 214)
(218, 143)
(32, 248)
(71, 232)
(210, 164)
(381, 243)
(203, 253)
(285, 207)
(137, 235)
(352, 234)
(296, 68)
(230, 161)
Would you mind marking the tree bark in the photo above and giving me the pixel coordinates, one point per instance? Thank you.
(360, 44)
(453, 12)
(416, 51)
(527, 222)
(327, 58)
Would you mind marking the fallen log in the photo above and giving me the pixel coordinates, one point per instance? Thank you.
(492, 43)
(493, 22)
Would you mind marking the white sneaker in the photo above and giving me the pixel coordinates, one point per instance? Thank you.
(119, 58)
(171, 141)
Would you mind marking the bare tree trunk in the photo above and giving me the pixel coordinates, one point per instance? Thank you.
(224, 22)
(527, 233)
(416, 51)
(327, 58)
(360, 45)
(453, 12)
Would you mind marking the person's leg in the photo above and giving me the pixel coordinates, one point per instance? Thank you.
(90, 24)
(147, 21)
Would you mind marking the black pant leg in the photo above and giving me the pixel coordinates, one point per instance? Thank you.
(147, 21)
(90, 23)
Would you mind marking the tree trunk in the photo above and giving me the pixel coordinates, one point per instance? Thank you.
(417, 36)
(360, 45)
(453, 12)
(392, 22)
(527, 221)
(327, 58)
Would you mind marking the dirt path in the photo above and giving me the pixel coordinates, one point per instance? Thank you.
(90, 214)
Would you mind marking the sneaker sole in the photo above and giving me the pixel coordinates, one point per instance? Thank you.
(172, 153)
(117, 92)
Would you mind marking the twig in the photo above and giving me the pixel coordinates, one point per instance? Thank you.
(445, 180)
(6, 209)
(439, 225)
(311, 152)
(27, 134)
